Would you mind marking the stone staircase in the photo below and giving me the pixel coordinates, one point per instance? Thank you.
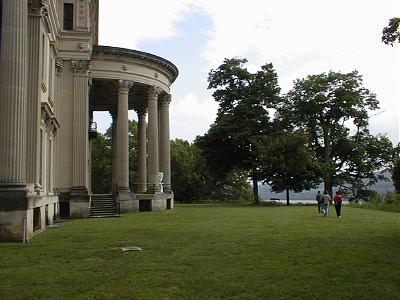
(103, 205)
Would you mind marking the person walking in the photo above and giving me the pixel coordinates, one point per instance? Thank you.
(338, 203)
(326, 200)
(319, 201)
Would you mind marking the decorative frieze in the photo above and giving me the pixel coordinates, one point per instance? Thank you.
(163, 66)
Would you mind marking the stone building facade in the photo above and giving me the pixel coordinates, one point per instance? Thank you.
(53, 75)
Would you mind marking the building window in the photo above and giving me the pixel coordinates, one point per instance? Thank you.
(68, 16)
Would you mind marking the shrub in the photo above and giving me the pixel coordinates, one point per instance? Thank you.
(392, 198)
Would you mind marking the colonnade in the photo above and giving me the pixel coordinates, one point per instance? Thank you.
(153, 144)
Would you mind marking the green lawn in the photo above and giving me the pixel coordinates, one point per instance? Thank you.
(211, 252)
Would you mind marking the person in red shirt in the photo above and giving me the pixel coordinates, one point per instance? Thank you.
(338, 203)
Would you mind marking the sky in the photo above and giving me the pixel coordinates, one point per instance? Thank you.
(299, 37)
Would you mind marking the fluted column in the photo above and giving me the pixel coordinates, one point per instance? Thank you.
(33, 101)
(153, 164)
(13, 92)
(165, 152)
(123, 136)
(114, 165)
(59, 67)
(142, 153)
(80, 141)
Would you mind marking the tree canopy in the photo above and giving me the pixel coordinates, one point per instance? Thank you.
(391, 33)
(288, 164)
(243, 117)
(396, 175)
(326, 106)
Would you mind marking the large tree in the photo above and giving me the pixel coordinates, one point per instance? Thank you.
(244, 99)
(325, 106)
(287, 164)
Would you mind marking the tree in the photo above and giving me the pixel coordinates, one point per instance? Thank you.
(396, 175)
(133, 150)
(391, 33)
(244, 99)
(101, 164)
(288, 164)
(188, 172)
(101, 159)
(324, 106)
(368, 159)
(234, 187)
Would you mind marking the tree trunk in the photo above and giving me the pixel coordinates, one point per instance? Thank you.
(328, 186)
(327, 161)
(287, 197)
(255, 191)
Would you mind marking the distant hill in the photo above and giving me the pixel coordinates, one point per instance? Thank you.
(265, 193)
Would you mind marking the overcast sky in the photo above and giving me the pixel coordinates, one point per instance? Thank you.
(299, 37)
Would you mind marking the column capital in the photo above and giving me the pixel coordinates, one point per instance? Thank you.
(38, 8)
(154, 91)
(165, 100)
(80, 66)
(124, 86)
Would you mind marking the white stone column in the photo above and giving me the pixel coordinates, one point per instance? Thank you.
(142, 152)
(114, 161)
(153, 164)
(123, 136)
(80, 142)
(165, 152)
(13, 92)
(59, 67)
(33, 100)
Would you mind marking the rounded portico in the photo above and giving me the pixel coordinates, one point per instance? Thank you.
(123, 80)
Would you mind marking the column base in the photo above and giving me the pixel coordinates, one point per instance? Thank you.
(153, 188)
(126, 202)
(123, 190)
(79, 203)
(141, 188)
(13, 197)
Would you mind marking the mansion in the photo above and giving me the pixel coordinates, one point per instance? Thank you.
(53, 76)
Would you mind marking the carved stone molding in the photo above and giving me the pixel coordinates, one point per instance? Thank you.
(59, 65)
(80, 66)
(115, 54)
(44, 9)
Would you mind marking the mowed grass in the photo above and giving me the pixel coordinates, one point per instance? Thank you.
(211, 252)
